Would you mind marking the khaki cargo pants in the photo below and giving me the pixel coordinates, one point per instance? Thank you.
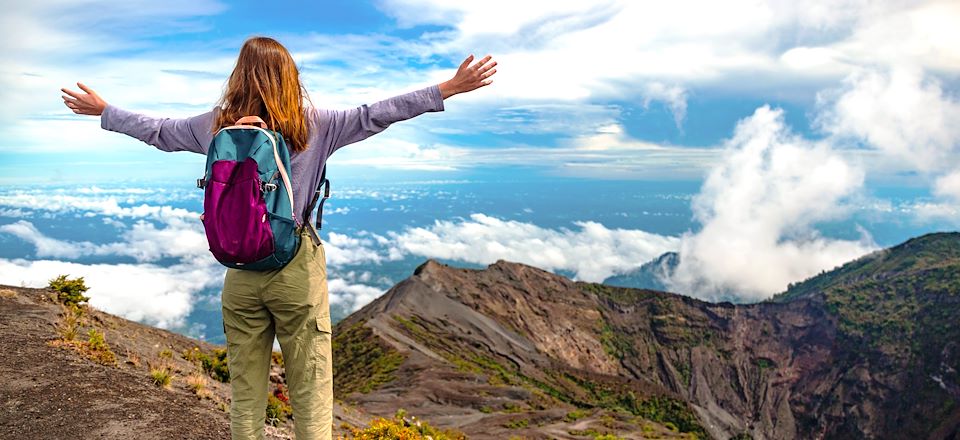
(293, 304)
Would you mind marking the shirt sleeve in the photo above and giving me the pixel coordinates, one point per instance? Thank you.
(188, 134)
(345, 127)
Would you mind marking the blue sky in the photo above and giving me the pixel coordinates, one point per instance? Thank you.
(806, 132)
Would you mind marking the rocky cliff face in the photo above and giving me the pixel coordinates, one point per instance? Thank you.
(514, 350)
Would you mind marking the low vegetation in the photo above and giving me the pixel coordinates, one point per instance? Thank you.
(516, 424)
(614, 342)
(276, 358)
(97, 349)
(568, 387)
(70, 291)
(70, 320)
(620, 295)
(161, 376)
(278, 410)
(401, 427)
(73, 315)
(360, 363)
(661, 409)
(575, 415)
(596, 435)
(213, 363)
(197, 383)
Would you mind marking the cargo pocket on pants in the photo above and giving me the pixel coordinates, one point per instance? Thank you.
(323, 323)
(322, 365)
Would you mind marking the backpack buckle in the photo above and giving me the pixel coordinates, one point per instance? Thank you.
(201, 183)
(267, 187)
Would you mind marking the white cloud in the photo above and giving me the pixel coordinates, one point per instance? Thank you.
(46, 36)
(593, 253)
(390, 152)
(574, 51)
(155, 295)
(901, 113)
(674, 96)
(353, 296)
(948, 186)
(143, 242)
(341, 249)
(58, 202)
(908, 118)
(15, 213)
(758, 210)
(46, 246)
(936, 211)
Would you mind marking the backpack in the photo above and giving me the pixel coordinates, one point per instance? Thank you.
(248, 204)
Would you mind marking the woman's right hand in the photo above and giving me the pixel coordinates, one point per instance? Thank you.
(89, 103)
(469, 78)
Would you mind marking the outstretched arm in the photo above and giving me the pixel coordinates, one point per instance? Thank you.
(188, 134)
(345, 127)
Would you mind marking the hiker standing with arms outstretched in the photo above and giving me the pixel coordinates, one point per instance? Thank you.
(290, 303)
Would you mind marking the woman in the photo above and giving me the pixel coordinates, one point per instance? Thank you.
(290, 303)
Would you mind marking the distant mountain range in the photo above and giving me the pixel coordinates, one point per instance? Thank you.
(650, 275)
(870, 350)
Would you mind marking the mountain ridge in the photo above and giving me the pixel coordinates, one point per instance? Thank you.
(777, 369)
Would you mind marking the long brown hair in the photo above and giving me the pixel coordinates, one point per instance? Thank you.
(266, 83)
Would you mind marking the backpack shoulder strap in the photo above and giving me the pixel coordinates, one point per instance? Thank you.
(324, 186)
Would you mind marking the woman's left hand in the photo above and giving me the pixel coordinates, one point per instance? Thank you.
(469, 78)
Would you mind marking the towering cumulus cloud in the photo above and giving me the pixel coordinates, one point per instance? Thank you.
(758, 209)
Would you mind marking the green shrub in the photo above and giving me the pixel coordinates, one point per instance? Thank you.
(402, 428)
(517, 424)
(277, 358)
(575, 415)
(216, 365)
(278, 411)
(510, 407)
(69, 291)
(362, 363)
(192, 355)
(161, 377)
(69, 326)
(98, 348)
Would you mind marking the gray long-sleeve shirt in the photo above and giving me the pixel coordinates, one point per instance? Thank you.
(328, 131)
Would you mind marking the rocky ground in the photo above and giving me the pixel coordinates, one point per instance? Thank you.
(51, 391)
